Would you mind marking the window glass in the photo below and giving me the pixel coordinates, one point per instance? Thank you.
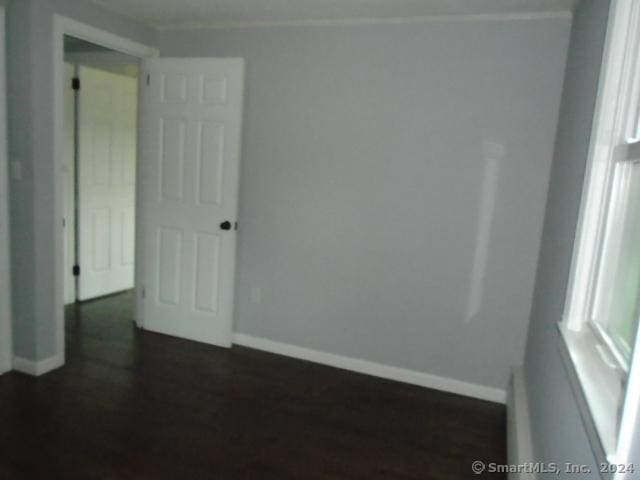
(617, 300)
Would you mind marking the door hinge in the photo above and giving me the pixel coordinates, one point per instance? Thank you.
(148, 79)
(75, 83)
(76, 270)
(144, 292)
(235, 225)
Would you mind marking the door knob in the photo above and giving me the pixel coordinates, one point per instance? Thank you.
(226, 225)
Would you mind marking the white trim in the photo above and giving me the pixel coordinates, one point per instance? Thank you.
(66, 26)
(6, 347)
(594, 379)
(596, 387)
(371, 368)
(519, 438)
(630, 420)
(580, 397)
(37, 368)
(368, 21)
(594, 192)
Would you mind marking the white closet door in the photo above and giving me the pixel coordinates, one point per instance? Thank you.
(107, 122)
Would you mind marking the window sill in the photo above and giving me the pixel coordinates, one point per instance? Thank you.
(597, 390)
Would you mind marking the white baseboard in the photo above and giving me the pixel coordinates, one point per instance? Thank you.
(375, 369)
(519, 441)
(37, 368)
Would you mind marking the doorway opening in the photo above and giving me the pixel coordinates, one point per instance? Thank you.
(81, 51)
(190, 123)
(100, 156)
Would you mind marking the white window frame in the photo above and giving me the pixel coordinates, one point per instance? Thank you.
(608, 392)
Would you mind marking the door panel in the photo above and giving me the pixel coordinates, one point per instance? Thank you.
(207, 266)
(190, 146)
(169, 271)
(100, 239)
(209, 188)
(107, 123)
(127, 241)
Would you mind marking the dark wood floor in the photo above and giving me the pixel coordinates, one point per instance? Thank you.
(137, 405)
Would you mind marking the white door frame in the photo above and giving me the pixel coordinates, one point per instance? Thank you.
(6, 347)
(66, 26)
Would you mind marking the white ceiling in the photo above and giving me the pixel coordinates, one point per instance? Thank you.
(193, 13)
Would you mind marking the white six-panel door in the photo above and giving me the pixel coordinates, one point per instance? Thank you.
(190, 146)
(107, 123)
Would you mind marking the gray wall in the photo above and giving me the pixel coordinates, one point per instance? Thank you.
(559, 435)
(363, 164)
(31, 144)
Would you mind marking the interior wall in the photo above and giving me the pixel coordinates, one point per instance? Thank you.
(559, 435)
(393, 185)
(33, 215)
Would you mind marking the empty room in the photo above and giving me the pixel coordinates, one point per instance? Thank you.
(309, 239)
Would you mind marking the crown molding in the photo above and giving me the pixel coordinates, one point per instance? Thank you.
(368, 21)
